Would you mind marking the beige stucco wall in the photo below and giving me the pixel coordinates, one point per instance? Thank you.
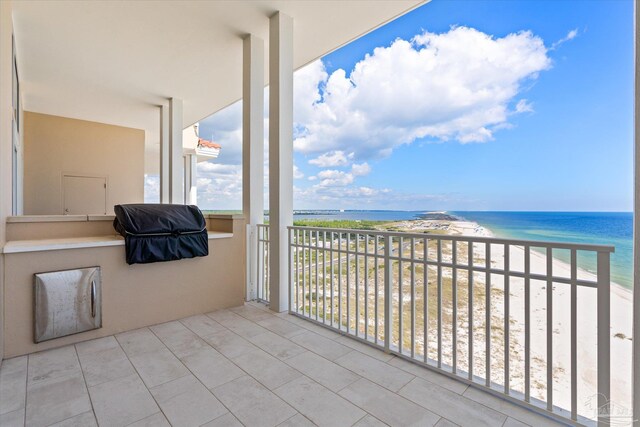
(133, 296)
(55, 145)
(56, 230)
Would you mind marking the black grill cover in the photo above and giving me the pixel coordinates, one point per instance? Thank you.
(155, 233)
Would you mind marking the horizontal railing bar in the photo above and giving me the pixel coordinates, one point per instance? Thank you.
(472, 239)
(342, 251)
(381, 254)
(474, 268)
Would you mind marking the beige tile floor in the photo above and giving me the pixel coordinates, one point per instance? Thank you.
(242, 366)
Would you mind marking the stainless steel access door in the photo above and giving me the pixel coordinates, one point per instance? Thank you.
(67, 302)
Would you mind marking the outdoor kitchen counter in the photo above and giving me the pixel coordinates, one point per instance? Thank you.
(133, 296)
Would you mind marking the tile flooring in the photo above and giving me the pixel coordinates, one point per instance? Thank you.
(241, 366)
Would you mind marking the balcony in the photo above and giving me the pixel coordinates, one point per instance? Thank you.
(242, 366)
(362, 328)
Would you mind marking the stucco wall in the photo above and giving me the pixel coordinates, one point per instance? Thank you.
(133, 296)
(55, 145)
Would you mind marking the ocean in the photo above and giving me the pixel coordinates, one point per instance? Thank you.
(604, 228)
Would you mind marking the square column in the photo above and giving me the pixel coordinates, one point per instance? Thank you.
(280, 156)
(190, 177)
(252, 150)
(176, 162)
(164, 155)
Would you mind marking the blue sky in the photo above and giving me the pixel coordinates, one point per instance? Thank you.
(460, 105)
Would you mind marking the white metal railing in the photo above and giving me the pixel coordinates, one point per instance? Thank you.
(262, 278)
(448, 302)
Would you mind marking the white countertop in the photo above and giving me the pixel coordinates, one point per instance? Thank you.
(21, 246)
(84, 218)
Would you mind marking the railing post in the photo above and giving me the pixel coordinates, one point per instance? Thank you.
(252, 263)
(388, 282)
(290, 285)
(604, 338)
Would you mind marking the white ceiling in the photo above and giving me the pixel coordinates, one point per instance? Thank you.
(115, 61)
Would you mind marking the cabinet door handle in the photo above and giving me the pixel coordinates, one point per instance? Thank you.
(93, 298)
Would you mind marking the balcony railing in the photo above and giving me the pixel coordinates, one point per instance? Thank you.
(479, 309)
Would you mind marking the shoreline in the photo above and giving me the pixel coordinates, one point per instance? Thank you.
(464, 227)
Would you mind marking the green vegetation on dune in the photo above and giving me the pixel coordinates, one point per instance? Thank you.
(339, 223)
(222, 212)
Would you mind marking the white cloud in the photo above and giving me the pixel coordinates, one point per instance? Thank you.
(217, 168)
(358, 197)
(524, 106)
(334, 178)
(336, 182)
(570, 36)
(305, 89)
(361, 169)
(219, 186)
(332, 159)
(151, 188)
(367, 191)
(461, 85)
(457, 85)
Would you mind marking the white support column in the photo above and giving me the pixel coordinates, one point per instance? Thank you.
(280, 156)
(165, 183)
(252, 151)
(190, 174)
(176, 162)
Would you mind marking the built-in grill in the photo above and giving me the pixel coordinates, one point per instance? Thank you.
(157, 232)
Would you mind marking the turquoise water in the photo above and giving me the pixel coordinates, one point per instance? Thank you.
(604, 228)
